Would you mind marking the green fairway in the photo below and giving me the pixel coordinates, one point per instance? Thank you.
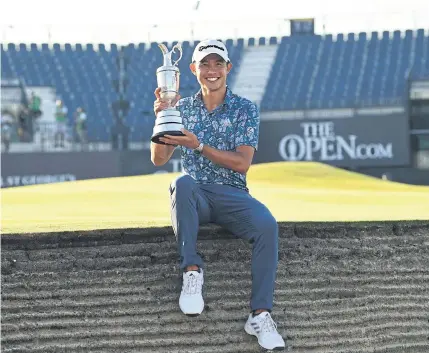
(293, 191)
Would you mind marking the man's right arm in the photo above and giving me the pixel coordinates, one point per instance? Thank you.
(160, 154)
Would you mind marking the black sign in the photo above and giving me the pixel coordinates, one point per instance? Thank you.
(375, 141)
(39, 168)
(347, 142)
(18, 169)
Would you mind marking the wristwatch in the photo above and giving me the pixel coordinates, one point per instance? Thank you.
(199, 149)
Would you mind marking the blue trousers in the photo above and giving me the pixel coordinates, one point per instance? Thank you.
(233, 209)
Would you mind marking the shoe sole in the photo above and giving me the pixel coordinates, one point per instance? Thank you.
(192, 315)
(268, 349)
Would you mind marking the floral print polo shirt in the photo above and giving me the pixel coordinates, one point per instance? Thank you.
(231, 124)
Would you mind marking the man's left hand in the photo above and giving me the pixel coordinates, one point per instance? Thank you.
(189, 140)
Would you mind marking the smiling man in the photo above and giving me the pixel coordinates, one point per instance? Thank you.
(220, 137)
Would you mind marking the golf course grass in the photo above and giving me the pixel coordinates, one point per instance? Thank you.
(298, 191)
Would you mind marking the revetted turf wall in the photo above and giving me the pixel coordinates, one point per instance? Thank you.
(342, 287)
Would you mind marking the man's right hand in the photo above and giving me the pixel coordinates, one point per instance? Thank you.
(159, 105)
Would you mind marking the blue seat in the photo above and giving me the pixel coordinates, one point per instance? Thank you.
(344, 71)
(308, 72)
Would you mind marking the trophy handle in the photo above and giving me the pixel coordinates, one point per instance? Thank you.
(179, 49)
(163, 48)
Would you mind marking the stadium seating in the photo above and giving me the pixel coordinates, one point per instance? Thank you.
(346, 71)
(309, 72)
(83, 77)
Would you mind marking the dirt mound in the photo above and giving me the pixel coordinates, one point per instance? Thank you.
(341, 287)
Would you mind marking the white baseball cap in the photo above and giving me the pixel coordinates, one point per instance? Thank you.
(210, 46)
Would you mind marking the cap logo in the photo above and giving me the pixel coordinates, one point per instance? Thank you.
(210, 46)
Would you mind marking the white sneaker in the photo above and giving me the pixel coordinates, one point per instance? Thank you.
(265, 329)
(191, 300)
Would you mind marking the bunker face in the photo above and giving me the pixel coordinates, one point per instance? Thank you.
(341, 287)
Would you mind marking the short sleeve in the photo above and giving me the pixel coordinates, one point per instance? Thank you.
(247, 132)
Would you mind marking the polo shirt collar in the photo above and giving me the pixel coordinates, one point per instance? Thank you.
(198, 98)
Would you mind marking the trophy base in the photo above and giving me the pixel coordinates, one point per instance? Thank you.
(155, 138)
(168, 122)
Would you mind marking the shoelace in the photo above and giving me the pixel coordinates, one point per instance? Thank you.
(268, 324)
(192, 284)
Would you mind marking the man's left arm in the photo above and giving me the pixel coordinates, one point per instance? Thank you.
(238, 160)
(246, 142)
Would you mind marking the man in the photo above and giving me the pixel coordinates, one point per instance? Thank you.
(221, 136)
(81, 127)
(61, 122)
(35, 104)
(6, 129)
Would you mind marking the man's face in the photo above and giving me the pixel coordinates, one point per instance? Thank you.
(211, 72)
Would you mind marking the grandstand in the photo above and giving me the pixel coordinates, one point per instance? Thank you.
(290, 72)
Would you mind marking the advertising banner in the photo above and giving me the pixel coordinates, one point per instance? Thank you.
(364, 141)
(18, 169)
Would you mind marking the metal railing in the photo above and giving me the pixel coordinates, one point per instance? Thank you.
(50, 137)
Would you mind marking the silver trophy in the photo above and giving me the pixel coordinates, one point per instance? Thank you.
(168, 121)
